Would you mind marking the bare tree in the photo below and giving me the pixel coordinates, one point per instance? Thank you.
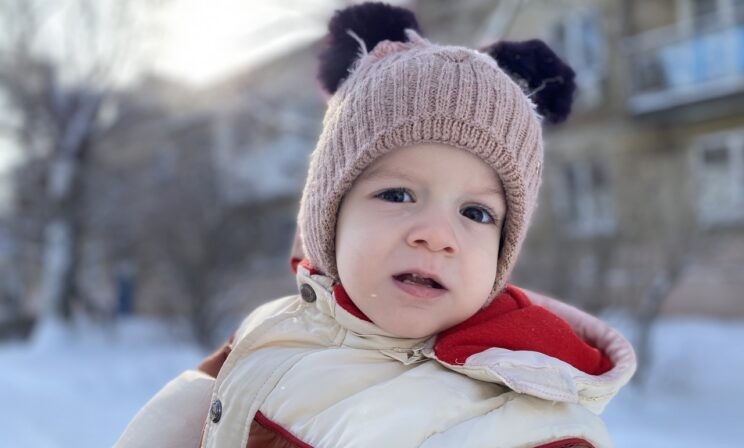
(201, 243)
(59, 62)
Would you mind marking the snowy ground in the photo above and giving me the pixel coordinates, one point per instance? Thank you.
(693, 393)
(80, 388)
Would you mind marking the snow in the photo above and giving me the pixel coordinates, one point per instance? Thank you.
(80, 385)
(692, 391)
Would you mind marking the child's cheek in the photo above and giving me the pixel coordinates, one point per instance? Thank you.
(387, 213)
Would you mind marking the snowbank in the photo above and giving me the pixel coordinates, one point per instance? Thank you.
(80, 386)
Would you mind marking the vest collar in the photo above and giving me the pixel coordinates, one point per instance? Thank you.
(331, 299)
(533, 345)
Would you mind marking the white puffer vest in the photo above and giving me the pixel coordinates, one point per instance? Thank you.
(304, 371)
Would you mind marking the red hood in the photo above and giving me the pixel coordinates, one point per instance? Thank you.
(511, 322)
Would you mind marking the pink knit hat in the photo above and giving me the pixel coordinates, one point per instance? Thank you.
(391, 88)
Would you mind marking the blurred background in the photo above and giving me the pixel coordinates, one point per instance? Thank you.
(153, 152)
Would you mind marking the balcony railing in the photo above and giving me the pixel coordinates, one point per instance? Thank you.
(686, 63)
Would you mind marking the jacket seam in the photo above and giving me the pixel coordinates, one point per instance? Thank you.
(292, 361)
(511, 396)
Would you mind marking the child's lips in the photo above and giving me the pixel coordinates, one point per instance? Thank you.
(438, 283)
(420, 291)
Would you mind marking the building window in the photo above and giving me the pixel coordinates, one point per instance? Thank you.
(718, 161)
(578, 39)
(702, 15)
(587, 207)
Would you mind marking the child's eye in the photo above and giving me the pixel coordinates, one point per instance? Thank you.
(478, 214)
(394, 195)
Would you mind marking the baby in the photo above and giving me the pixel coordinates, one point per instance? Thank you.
(405, 332)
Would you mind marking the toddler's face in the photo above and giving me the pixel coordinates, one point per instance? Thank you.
(428, 209)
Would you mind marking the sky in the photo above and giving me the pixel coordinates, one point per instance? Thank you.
(204, 41)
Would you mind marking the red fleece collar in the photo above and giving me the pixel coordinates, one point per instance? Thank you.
(510, 321)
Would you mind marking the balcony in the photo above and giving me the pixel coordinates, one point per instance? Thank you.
(688, 70)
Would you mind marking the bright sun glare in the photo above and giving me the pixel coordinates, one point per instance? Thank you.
(204, 40)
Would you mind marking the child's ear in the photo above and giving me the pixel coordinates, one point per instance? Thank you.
(356, 30)
(543, 76)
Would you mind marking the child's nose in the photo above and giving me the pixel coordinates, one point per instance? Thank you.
(433, 232)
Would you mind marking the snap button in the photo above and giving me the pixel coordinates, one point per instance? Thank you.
(307, 293)
(215, 412)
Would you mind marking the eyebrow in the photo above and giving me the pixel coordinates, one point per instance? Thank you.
(378, 172)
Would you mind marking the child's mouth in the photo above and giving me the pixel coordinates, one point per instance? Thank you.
(420, 280)
(419, 287)
(417, 279)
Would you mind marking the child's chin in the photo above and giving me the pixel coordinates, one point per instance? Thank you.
(405, 331)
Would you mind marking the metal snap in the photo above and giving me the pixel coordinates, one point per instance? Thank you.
(215, 412)
(308, 293)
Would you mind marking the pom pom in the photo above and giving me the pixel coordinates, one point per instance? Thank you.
(370, 22)
(550, 82)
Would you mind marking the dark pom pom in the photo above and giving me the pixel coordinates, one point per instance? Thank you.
(545, 74)
(373, 23)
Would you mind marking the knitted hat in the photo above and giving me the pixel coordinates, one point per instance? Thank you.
(391, 88)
